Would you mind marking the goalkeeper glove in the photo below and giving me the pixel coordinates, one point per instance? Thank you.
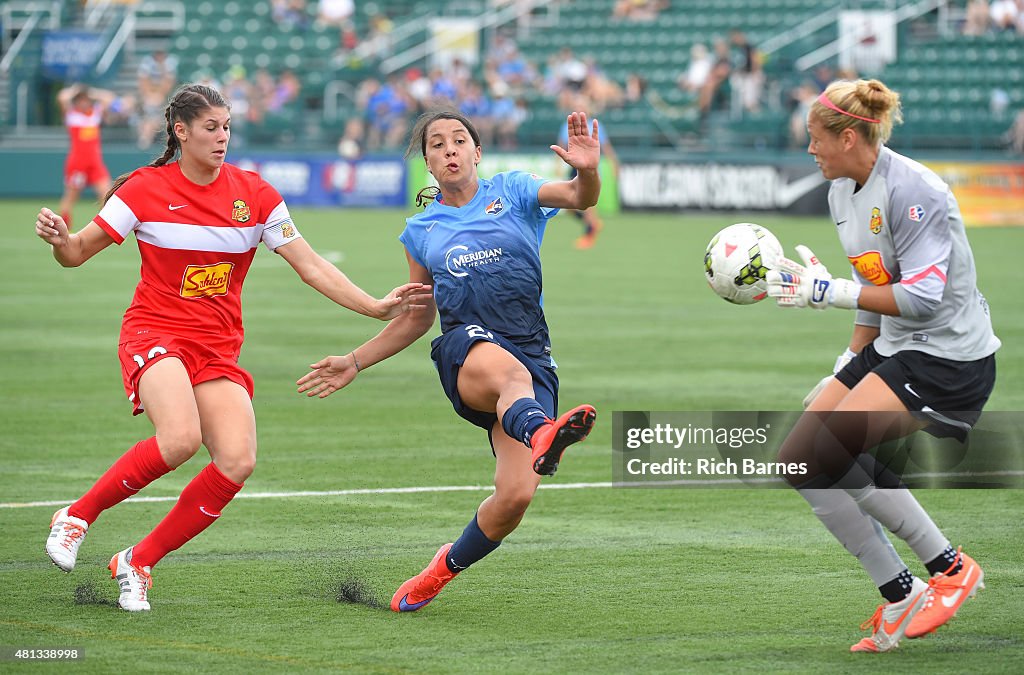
(841, 362)
(810, 284)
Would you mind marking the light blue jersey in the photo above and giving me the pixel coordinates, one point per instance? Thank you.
(484, 258)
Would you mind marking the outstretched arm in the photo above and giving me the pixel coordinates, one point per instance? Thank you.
(332, 282)
(583, 153)
(70, 250)
(332, 373)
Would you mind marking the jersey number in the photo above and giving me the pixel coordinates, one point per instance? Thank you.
(475, 331)
(154, 352)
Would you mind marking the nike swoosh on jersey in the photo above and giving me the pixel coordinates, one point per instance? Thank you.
(172, 207)
(906, 385)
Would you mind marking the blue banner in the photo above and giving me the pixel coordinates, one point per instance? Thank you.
(70, 54)
(334, 182)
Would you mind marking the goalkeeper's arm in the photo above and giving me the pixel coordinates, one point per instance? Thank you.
(862, 337)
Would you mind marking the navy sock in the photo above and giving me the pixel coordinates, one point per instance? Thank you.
(943, 562)
(899, 588)
(470, 547)
(523, 418)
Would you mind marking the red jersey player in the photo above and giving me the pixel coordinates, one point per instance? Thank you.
(83, 108)
(198, 222)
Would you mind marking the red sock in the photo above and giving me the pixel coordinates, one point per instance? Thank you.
(66, 215)
(136, 469)
(199, 505)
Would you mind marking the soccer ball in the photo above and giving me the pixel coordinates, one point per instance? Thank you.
(736, 261)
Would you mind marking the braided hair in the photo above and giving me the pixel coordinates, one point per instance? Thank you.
(185, 106)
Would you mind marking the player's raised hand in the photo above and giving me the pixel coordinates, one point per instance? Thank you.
(583, 150)
(51, 228)
(410, 297)
(328, 375)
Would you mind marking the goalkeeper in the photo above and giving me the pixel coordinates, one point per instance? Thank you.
(921, 355)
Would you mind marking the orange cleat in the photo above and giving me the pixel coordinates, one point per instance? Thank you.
(418, 592)
(890, 621)
(946, 594)
(551, 440)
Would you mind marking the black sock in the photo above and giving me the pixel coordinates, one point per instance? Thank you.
(470, 547)
(944, 561)
(899, 588)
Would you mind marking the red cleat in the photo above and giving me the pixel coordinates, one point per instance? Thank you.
(551, 440)
(416, 593)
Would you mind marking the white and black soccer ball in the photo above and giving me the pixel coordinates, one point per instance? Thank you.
(737, 259)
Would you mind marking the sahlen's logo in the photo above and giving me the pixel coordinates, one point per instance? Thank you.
(458, 259)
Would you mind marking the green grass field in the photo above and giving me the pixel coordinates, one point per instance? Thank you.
(596, 579)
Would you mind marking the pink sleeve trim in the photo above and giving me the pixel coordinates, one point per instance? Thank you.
(917, 277)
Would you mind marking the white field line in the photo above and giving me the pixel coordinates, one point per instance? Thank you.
(543, 486)
(326, 493)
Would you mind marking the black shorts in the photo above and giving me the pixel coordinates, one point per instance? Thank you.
(948, 395)
(449, 353)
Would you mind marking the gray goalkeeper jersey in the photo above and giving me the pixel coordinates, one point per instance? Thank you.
(903, 227)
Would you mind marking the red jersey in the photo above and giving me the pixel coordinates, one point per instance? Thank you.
(196, 242)
(84, 130)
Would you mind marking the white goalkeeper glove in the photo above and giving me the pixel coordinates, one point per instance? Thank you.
(810, 284)
(841, 362)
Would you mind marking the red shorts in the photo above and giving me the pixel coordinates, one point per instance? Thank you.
(201, 363)
(79, 173)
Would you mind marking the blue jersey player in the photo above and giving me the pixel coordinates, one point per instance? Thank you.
(478, 242)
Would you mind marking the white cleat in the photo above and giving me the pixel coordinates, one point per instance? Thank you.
(66, 535)
(890, 621)
(133, 582)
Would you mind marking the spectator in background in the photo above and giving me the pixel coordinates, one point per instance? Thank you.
(976, 17)
(238, 90)
(420, 88)
(157, 77)
(697, 73)
(720, 71)
(1004, 14)
(286, 91)
(803, 96)
(350, 146)
(508, 115)
(386, 111)
(290, 14)
(636, 88)
(1015, 134)
(475, 105)
(339, 13)
(638, 10)
(379, 36)
(747, 79)
(602, 92)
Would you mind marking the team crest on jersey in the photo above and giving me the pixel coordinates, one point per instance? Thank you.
(205, 281)
(871, 267)
(287, 230)
(876, 220)
(240, 211)
(916, 213)
(494, 208)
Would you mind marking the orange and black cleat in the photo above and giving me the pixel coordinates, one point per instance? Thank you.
(551, 440)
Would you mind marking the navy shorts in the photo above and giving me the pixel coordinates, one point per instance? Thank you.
(449, 353)
(948, 395)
